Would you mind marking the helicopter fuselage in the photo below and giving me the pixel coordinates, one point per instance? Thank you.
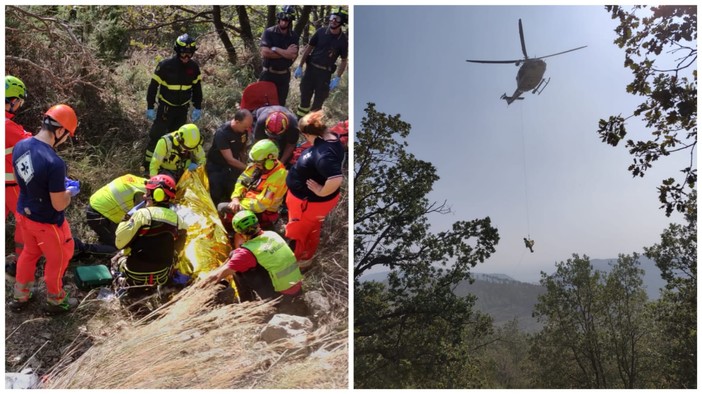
(530, 74)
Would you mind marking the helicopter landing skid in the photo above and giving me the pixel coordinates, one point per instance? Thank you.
(543, 82)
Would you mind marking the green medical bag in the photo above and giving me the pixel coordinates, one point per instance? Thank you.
(91, 276)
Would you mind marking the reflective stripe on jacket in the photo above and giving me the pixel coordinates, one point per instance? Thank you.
(116, 198)
(274, 254)
(264, 193)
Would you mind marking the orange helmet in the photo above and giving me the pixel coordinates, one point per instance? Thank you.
(276, 124)
(63, 116)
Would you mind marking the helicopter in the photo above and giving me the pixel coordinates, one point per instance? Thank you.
(531, 73)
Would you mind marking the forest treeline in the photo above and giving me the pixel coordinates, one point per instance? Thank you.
(599, 329)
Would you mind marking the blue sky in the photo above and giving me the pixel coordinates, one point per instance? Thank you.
(536, 167)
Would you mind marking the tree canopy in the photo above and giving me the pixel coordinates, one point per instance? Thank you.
(661, 52)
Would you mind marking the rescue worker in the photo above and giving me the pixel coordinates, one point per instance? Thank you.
(226, 158)
(111, 203)
(151, 237)
(263, 266)
(177, 80)
(280, 125)
(177, 151)
(326, 45)
(279, 49)
(261, 187)
(529, 243)
(45, 192)
(313, 183)
(15, 94)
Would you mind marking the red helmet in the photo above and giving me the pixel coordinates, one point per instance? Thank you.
(161, 188)
(63, 116)
(276, 124)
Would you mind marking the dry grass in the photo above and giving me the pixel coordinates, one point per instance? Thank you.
(192, 343)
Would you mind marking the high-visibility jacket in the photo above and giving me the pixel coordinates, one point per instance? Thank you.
(149, 238)
(261, 192)
(170, 156)
(274, 254)
(14, 133)
(116, 198)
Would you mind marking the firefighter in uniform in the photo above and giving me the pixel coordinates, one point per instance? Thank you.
(320, 54)
(177, 151)
(279, 49)
(15, 94)
(177, 81)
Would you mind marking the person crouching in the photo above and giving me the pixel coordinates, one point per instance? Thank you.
(263, 266)
(150, 238)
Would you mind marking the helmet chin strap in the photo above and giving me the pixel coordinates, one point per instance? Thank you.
(59, 139)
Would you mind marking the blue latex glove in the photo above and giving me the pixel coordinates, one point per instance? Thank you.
(197, 113)
(72, 186)
(151, 114)
(298, 72)
(74, 189)
(136, 207)
(334, 83)
(192, 167)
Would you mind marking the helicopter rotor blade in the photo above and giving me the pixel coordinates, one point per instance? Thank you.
(521, 37)
(497, 61)
(560, 53)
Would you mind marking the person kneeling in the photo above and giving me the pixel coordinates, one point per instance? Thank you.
(263, 266)
(151, 237)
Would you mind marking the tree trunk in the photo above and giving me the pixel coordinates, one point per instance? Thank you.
(222, 33)
(301, 24)
(248, 38)
(270, 19)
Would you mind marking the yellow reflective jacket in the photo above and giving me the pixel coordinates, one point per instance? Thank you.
(264, 192)
(170, 156)
(116, 198)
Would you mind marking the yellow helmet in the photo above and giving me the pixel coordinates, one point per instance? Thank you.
(189, 136)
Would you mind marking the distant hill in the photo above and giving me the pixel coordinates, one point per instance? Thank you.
(498, 295)
(652, 275)
(505, 298)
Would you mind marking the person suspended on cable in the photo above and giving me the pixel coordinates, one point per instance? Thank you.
(529, 244)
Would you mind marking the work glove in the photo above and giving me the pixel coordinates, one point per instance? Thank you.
(298, 72)
(197, 113)
(151, 114)
(72, 186)
(192, 167)
(334, 83)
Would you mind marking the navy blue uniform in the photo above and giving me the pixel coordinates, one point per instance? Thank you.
(177, 84)
(289, 137)
(39, 172)
(320, 66)
(221, 175)
(278, 70)
(320, 162)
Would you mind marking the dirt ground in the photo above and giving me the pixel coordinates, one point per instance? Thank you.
(35, 340)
